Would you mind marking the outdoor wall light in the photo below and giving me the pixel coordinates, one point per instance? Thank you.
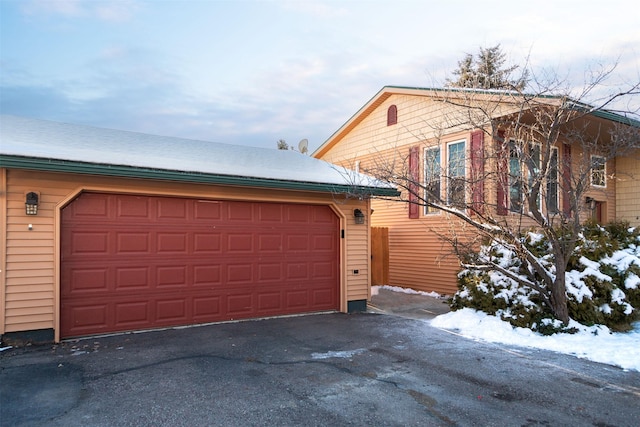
(591, 203)
(31, 203)
(359, 216)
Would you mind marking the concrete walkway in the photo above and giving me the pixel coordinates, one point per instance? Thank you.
(412, 306)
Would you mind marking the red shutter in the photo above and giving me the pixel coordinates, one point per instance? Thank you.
(566, 179)
(414, 172)
(477, 170)
(502, 155)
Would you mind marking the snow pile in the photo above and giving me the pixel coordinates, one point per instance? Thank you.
(596, 343)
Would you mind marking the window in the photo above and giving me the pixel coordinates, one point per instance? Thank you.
(515, 177)
(598, 171)
(392, 115)
(552, 183)
(432, 171)
(456, 174)
(524, 170)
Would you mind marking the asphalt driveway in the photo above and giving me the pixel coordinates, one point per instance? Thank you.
(317, 370)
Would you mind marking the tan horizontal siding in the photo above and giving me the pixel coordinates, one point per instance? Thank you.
(29, 277)
(418, 258)
(357, 252)
(627, 184)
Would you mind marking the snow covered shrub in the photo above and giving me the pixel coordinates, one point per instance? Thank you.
(602, 280)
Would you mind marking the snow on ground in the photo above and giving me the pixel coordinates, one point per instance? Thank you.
(593, 343)
(374, 291)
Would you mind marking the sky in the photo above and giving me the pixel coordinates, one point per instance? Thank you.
(253, 72)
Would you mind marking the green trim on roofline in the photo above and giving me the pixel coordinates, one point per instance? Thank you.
(50, 165)
(603, 114)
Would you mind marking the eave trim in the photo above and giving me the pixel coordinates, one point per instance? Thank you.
(53, 165)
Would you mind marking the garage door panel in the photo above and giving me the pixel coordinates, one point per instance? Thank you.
(132, 278)
(87, 280)
(133, 207)
(88, 317)
(207, 275)
(207, 210)
(207, 243)
(239, 273)
(239, 211)
(173, 310)
(296, 271)
(239, 242)
(297, 242)
(269, 302)
(239, 304)
(139, 262)
(171, 276)
(207, 308)
(269, 272)
(175, 243)
(92, 244)
(133, 242)
(322, 297)
(270, 243)
(271, 213)
(90, 208)
(171, 209)
(131, 313)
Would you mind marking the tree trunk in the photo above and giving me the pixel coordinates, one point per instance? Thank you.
(559, 296)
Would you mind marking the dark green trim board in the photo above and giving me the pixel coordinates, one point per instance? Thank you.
(52, 165)
(33, 337)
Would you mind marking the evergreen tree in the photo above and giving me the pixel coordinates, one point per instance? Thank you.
(487, 70)
(282, 144)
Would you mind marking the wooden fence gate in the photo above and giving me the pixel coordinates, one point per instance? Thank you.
(379, 256)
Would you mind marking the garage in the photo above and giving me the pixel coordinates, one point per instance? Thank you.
(132, 262)
(111, 231)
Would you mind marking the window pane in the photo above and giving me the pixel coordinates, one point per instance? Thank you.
(515, 178)
(456, 172)
(432, 176)
(533, 169)
(552, 183)
(598, 174)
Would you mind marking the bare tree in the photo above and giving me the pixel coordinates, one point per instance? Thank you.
(282, 145)
(532, 159)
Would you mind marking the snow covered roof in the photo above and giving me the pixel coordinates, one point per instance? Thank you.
(45, 145)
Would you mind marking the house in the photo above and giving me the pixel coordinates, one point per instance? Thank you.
(436, 132)
(106, 231)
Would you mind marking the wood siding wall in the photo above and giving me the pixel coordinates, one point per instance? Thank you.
(29, 291)
(418, 257)
(628, 182)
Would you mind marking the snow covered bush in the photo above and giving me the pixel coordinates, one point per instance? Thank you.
(602, 281)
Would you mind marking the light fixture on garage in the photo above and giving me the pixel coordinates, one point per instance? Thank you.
(359, 216)
(591, 203)
(31, 203)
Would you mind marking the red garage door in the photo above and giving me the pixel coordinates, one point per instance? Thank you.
(137, 262)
